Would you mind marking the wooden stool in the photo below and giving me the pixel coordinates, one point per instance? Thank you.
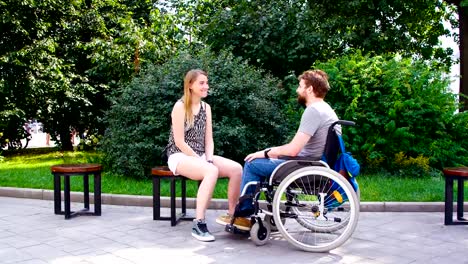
(68, 170)
(163, 172)
(460, 174)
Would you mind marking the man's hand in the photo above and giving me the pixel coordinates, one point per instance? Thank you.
(255, 155)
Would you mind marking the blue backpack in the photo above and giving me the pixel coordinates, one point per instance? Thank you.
(347, 164)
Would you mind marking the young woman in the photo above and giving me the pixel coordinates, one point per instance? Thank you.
(191, 147)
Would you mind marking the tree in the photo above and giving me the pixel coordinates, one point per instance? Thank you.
(462, 9)
(290, 35)
(60, 59)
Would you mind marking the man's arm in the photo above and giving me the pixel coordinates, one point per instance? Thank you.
(307, 128)
(291, 149)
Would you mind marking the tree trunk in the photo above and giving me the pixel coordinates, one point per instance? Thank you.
(463, 34)
(65, 140)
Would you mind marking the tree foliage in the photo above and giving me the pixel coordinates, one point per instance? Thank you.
(59, 59)
(244, 102)
(283, 36)
(403, 110)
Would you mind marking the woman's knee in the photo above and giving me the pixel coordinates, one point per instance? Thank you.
(211, 173)
(213, 170)
(236, 171)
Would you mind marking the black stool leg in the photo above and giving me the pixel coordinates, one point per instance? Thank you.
(86, 191)
(173, 201)
(57, 195)
(448, 200)
(183, 187)
(67, 196)
(460, 200)
(97, 193)
(156, 198)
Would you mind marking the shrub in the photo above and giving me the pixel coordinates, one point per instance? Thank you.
(244, 102)
(89, 142)
(412, 167)
(400, 106)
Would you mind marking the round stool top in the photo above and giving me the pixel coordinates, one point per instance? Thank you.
(71, 168)
(161, 171)
(457, 171)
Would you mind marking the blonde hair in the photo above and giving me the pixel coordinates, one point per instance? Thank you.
(189, 78)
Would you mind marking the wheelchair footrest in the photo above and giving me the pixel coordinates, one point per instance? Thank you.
(233, 229)
(288, 215)
(294, 204)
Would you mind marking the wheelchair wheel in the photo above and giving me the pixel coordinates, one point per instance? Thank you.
(340, 213)
(324, 205)
(260, 235)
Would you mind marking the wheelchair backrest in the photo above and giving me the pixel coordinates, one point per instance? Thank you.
(332, 145)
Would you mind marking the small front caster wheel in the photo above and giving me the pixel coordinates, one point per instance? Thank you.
(260, 234)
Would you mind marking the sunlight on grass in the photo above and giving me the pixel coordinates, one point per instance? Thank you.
(33, 171)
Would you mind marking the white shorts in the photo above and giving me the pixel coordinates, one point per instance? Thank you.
(174, 159)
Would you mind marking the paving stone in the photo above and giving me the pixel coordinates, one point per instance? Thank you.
(31, 233)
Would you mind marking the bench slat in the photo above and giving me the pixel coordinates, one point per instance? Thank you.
(457, 171)
(162, 171)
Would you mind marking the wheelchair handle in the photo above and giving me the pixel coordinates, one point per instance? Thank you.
(344, 123)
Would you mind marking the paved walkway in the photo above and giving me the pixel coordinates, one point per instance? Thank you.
(31, 233)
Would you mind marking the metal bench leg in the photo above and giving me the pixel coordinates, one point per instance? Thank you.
(86, 191)
(448, 200)
(183, 188)
(173, 201)
(156, 198)
(460, 200)
(97, 193)
(57, 195)
(67, 196)
(174, 216)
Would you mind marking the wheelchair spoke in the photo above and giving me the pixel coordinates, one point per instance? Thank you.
(321, 205)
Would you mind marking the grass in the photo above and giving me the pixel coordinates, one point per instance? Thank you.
(32, 170)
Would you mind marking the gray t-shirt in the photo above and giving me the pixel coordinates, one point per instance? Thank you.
(315, 122)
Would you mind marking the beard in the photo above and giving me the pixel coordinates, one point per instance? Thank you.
(301, 100)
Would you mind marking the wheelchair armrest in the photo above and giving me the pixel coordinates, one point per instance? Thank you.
(308, 158)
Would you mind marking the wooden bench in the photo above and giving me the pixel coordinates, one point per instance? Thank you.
(163, 172)
(460, 174)
(68, 170)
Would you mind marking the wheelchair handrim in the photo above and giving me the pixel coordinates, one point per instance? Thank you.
(324, 172)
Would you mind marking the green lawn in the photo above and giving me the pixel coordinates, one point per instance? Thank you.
(33, 171)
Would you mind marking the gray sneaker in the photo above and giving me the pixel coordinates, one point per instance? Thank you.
(200, 231)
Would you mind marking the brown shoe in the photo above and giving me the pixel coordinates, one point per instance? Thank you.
(241, 223)
(224, 219)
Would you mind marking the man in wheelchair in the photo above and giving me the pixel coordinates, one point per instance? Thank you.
(308, 143)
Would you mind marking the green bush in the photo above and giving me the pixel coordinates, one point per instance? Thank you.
(244, 101)
(402, 107)
(90, 142)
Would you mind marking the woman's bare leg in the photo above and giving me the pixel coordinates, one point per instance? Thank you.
(200, 170)
(232, 170)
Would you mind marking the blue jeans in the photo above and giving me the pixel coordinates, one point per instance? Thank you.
(257, 170)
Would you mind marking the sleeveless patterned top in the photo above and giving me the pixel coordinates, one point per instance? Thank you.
(194, 136)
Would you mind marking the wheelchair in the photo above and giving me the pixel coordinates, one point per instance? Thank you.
(312, 206)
